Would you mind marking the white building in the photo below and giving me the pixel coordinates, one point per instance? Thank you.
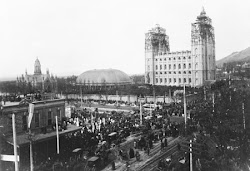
(192, 68)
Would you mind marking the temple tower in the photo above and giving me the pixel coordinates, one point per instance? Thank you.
(37, 68)
(203, 50)
(156, 42)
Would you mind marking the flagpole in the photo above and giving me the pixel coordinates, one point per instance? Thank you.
(14, 141)
(31, 152)
(57, 135)
(31, 111)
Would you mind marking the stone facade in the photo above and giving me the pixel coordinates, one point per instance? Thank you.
(192, 68)
(43, 82)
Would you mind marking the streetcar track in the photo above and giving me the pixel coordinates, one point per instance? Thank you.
(153, 162)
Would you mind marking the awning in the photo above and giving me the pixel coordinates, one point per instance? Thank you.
(23, 138)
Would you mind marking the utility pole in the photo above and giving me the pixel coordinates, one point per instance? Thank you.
(154, 94)
(185, 108)
(191, 156)
(81, 94)
(243, 112)
(169, 93)
(213, 102)
(140, 112)
(116, 100)
(205, 96)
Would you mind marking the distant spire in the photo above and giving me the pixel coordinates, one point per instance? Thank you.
(203, 11)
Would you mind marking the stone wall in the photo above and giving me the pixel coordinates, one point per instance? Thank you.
(125, 98)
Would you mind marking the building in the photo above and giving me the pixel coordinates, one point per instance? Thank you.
(192, 68)
(38, 81)
(42, 128)
(103, 78)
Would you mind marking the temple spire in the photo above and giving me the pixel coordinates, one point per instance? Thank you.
(203, 12)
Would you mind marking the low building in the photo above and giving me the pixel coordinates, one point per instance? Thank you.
(42, 128)
(103, 78)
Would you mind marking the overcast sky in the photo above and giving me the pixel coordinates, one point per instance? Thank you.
(70, 37)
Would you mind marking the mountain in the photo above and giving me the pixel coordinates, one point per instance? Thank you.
(242, 56)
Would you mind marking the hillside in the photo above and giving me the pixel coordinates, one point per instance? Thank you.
(242, 56)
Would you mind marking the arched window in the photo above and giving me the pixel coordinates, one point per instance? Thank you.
(179, 58)
(184, 58)
(179, 66)
(196, 66)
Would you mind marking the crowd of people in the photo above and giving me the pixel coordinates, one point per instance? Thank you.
(102, 132)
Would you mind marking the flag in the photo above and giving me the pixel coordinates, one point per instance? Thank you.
(31, 111)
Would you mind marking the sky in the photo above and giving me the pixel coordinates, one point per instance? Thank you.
(73, 36)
